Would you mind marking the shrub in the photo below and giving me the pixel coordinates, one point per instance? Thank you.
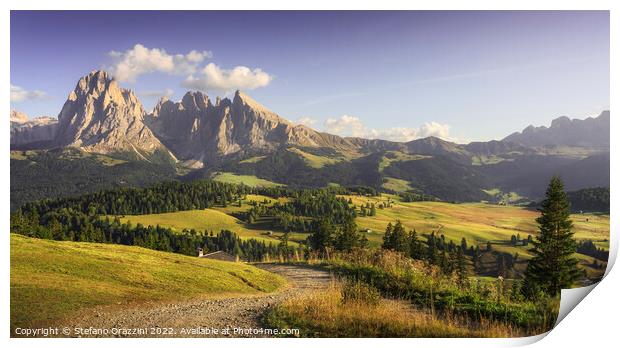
(359, 292)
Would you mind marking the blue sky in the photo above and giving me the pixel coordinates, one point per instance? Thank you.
(471, 75)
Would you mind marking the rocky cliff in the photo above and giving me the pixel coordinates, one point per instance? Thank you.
(26, 131)
(101, 117)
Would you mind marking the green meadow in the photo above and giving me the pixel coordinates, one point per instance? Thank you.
(248, 180)
(314, 161)
(52, 280)
(476, 222)
(216, 219)
(210, 220)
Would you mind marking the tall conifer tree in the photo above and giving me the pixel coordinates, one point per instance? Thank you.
(553, 266)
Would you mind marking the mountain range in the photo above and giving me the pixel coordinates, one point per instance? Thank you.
(200, 137)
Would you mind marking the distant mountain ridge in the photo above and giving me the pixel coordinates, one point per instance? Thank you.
(591, 132)
(199, 137)
(26, 131)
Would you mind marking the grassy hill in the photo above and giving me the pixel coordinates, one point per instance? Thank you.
(201, 220)
(52, 280)
(312, 160)
(248, 180)
(216, 219)
(476, 222)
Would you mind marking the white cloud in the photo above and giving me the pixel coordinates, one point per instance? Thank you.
(139, 60)
(306, 121)
(346, 125)
(156, 94)
(435, 129)
(18, 94)
(213, 77)
(352, 126)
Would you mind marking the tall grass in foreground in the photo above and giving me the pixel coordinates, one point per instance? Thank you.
(476, 304)
(354, 309)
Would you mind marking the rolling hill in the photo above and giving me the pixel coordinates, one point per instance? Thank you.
(52, 280)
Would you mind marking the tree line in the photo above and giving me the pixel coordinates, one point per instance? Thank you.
(79, 227)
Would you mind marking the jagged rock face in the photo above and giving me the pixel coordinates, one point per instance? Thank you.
(18, 117)
(591, 132)
(100, 117)
(26, 131)
(195, 128)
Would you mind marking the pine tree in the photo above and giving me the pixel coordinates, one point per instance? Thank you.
(322, 237)
(347, 236)
(476, 259)
(373, 210)
(443, 261)
(284, 247)
(415, 247)
(513, 240)
(387, 237)
(553, 266)
(399, 238)
(464, 244)
(461, 268)
(431, 252)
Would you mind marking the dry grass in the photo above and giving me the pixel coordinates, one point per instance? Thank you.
(325, 313)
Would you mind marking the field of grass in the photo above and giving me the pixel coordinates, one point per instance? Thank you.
(397, 156)
(482, 159)
(326, 313)
(22, 155)
(248, 180)
(52, 280)
(219, 218)
(312, 160)
(503, 198)
(477, 222)
(254, 159)
(245, 203)
(398, 185)
(204, 220)
(71, 155)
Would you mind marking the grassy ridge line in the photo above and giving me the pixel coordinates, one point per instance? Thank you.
(52, 280)
(248, 180)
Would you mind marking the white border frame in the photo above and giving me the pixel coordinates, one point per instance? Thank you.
(592, 322)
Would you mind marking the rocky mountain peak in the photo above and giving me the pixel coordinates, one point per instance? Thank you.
(18, 117)
(560, 122)
(100, 116)
(195, 101)
(38, 130)
(590, 132)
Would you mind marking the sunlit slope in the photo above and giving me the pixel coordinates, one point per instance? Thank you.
(476, 222)
(52, 280)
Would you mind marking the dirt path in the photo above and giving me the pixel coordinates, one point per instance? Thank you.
(202, 318)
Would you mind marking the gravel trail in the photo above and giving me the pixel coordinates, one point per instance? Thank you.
(226, 317)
